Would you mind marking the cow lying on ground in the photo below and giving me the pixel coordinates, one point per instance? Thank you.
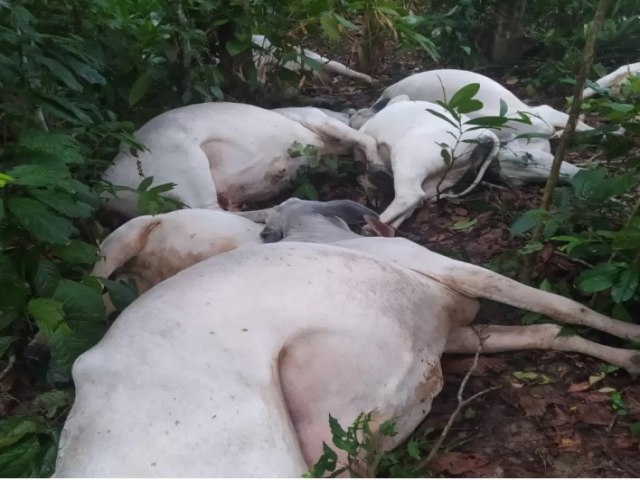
(265, 58)
(231, 367)
(411, 141)
(226, 154)
(614, 80)
(440, 85)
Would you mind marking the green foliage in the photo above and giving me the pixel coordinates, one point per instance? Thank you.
(596, 219)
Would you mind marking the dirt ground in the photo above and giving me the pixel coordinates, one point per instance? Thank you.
(552, 414)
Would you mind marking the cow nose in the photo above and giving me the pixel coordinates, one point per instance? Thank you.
(270, 235)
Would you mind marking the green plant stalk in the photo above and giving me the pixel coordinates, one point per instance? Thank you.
(576, 104)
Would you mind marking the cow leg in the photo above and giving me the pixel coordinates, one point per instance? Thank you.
(501, 338)
(336, 135)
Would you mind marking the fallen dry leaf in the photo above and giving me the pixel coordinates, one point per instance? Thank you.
(533, 407)
(594, 414)
(458, 462)
(578, 387)
(570, 444)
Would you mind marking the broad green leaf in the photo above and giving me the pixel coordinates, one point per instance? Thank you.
(527, 221)
(62, 202)
(67, 345)
(47, 312)
(46, 278)
(76, 251)
(41, 221)
(1, 209)
(236, 47)
(81, 304)
(145, 184)
(38, 175)
(388, 428)
(470, 106)
(61, 72)
(413, 449)
(4, 179)
(22, 459)
(121, 293)
(85, 71)
(463, 95)
(46, 404)
(488, 121)
(336, 428)
(598, 278)
(59, 145)
(139, 88)
(12, 429)
(329, 26)
(626, 285)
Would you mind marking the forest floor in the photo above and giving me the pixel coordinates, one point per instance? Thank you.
(552, 414)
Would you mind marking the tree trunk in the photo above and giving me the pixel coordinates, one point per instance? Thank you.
(507, 44)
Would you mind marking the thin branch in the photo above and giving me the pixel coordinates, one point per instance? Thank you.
(574, 112)
(461, 402)
(10, 364)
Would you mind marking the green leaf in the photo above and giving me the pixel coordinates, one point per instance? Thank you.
(413, 449)
(62, 202)
(59, 145)
(329, 26)
(76, 251)
(81, 304)
(503, 108)
(626, 285)
(46, 278)
(470, 106)
(326, 463)
(527, 221)
(139, 88)
(306, 191)
(22, 458)
(40, 221)
(4, 179)
(14, 428)
(61, 72)
(121, 293)
(47, 404)
(488, 121)
(388, 428)
(598, 278)
(47, 312)
(443, 117)
(67, 345)
(85, 71)
(336, 428)
(464, 224)
(1, 209)
(5, 343)
(236, 47)
(38, 175)
(463, 95)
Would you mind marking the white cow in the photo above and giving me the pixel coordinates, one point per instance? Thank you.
(614, 80)
(197, 379)
(152, 248)
(440, 85)
(410, 141)
(226, 153)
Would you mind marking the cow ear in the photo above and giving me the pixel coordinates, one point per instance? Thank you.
(351, 212)
(378, 226)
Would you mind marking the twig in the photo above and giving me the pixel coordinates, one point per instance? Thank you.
(7, 369)
(461, 403)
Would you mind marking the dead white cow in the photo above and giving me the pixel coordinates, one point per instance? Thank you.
(194, 380)
(305, 221)
(225, 154)
(614, 80)
(410, 141)
(265, 58)
(440, 85)
(152, 248)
